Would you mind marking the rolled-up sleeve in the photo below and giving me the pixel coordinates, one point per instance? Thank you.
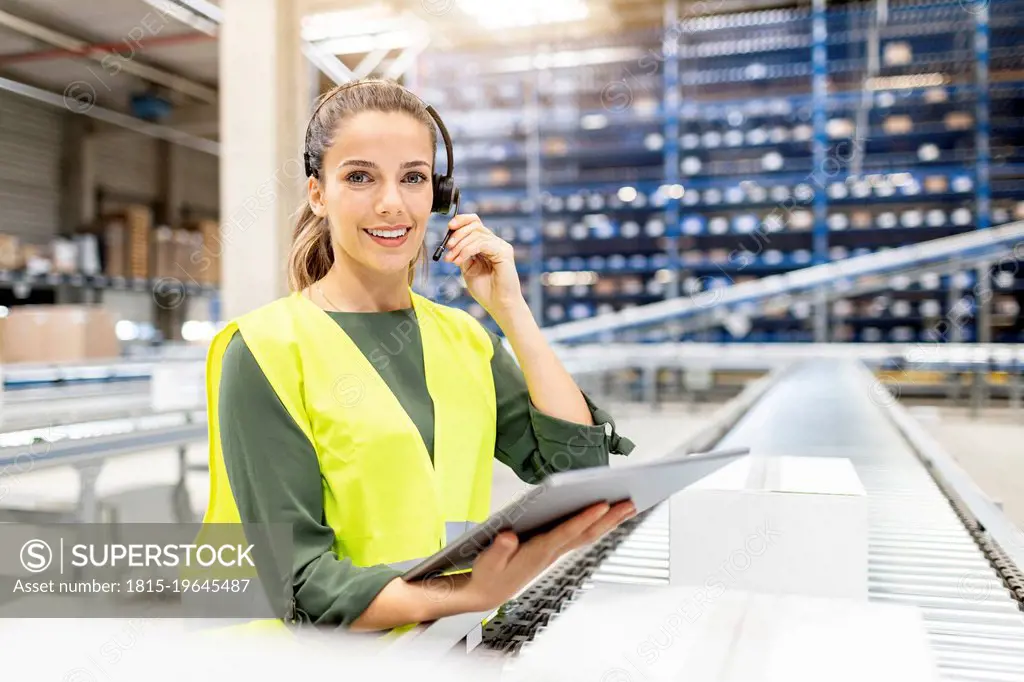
(534, 444)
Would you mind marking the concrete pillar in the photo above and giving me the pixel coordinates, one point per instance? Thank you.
(264, 106)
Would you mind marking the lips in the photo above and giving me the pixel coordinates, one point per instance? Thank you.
(390, 235)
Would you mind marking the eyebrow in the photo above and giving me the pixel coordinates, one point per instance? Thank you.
(370, 164)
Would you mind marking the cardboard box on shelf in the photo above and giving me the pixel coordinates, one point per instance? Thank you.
(936, 184)
(10, 252)
(65, 255)
(207, 265)
(114, 249)
(959, 120)
(58, 333)
(606, 286)
(88, 254)
(898, 125)
(127, 242)
(139, 221)
(36, 259)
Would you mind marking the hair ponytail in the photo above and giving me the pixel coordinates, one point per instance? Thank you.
(311, 254)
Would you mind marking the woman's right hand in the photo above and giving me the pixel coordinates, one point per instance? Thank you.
(498, 574)
(504, 568)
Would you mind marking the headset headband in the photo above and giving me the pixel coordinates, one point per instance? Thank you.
(312, 172)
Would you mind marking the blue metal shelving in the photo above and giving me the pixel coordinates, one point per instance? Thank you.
(740, 145)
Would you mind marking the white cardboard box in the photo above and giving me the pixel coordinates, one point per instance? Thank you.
(645, 634)
(788, 525)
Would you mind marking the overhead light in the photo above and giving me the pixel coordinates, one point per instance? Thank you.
(676, 191)
(525, 13)
(627, 194)
(353, 22)
(593, 121)
(196, 14)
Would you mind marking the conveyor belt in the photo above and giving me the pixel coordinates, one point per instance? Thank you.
(58, 406)
(919, 551)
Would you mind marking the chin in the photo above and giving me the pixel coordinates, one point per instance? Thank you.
(391, 264)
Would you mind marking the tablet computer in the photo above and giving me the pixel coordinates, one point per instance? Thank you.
(561, 496)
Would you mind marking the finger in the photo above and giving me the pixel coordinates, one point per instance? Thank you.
(477, 244)
(497, 556)
(462, 231)
(609, 522)
(463, 219)
(456, 251)
(568, 531)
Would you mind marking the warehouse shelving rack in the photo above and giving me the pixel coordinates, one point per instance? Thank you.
(727, 147)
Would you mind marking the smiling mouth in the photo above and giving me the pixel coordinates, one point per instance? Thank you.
(395, 233)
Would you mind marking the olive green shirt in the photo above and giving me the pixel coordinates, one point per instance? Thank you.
(274, 472)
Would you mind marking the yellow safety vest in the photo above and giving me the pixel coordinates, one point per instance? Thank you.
(384, 499)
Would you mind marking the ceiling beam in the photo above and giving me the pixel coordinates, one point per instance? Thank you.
(109, 59)
(142, 43)
(86, 108)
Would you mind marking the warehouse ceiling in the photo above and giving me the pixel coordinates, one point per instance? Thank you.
(164, 53)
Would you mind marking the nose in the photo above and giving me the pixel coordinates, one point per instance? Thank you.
(389, 200)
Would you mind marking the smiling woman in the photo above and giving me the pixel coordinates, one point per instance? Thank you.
(367, 417)
(363, 181)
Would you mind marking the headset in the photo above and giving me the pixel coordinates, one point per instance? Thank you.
(446, 194)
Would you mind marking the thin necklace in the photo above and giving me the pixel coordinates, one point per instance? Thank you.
(329, 301)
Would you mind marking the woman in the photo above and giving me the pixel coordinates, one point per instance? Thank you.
(368, 417)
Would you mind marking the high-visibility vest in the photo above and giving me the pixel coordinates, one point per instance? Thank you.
(385, 500)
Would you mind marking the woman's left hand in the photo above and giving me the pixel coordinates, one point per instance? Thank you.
(487, 263)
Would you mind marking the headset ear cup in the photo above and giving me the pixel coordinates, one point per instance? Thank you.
(443, 190)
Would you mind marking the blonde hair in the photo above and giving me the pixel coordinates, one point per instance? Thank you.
(312, 253)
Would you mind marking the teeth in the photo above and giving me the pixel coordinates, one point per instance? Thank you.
(391, 234)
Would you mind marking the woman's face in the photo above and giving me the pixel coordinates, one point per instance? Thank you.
(376, 190)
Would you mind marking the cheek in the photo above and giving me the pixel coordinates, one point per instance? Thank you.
(421, 200)
(345, 206)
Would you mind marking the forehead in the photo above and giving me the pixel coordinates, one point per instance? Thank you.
(375, 134)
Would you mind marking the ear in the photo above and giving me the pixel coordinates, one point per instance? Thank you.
(314, 195)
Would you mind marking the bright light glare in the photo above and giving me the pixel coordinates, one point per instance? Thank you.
(493, 15)
(126, 330)
(627, 194)
(194, 330)
(676, 191)
(352, 22)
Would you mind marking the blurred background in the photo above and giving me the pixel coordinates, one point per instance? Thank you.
(702, 196)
